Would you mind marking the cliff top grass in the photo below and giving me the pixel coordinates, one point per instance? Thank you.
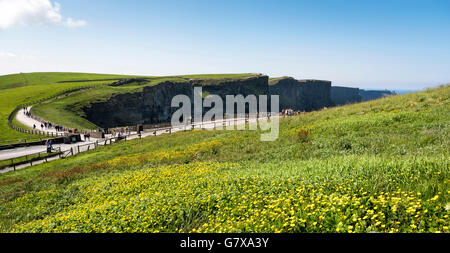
(378, 166)
(276, 80)
(16, 89)
(45, 78)
(205, 79)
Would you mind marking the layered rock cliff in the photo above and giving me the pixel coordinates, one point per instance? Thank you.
(345, 95)
(368, 95)
(153, 104)
(301, 95)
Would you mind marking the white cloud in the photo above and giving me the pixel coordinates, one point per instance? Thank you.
(7, 55)
(75, 23)
(14, 56)
(33, 12)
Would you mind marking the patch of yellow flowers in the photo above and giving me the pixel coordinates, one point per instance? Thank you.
(159, 156)
(209, 197)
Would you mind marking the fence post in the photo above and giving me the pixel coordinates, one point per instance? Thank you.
(71, 151)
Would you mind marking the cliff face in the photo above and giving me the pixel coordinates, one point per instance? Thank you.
(153, 104)
(252, 85)
(345, 95)
(302, 95)
(368, 95)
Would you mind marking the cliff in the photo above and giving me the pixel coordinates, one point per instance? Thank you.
(153, 104)
(368, 95)
(345, 95)
(301, 95)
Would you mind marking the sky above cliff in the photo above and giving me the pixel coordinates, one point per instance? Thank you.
(367, 44)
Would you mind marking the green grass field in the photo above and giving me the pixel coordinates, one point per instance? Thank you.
(40, 78)
(377, 166)
(18, 89)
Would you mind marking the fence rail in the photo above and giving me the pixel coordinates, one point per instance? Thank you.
(29, 158)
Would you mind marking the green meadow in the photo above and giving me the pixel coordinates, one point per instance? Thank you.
(379, 166)
(24, 88)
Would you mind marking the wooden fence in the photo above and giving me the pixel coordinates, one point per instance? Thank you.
(29, 159)
(109, 141)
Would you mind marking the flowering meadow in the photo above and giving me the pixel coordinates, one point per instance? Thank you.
(381, 166)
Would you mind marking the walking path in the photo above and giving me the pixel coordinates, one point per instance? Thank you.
(29, 122)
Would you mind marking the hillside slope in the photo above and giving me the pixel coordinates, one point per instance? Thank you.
(376, 166)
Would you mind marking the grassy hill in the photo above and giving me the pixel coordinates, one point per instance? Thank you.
(376, 166)
(39, 78)
(17, 89)
(14, 91)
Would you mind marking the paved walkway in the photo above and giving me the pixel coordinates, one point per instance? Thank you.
(27, 121)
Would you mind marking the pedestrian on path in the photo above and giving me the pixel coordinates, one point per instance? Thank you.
(49, 145)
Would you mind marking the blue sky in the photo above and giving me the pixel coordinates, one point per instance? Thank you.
(367, 44)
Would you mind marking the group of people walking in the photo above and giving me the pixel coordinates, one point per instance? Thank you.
(26, 112)
(287, 112)
(48, 125)
(45, 124)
